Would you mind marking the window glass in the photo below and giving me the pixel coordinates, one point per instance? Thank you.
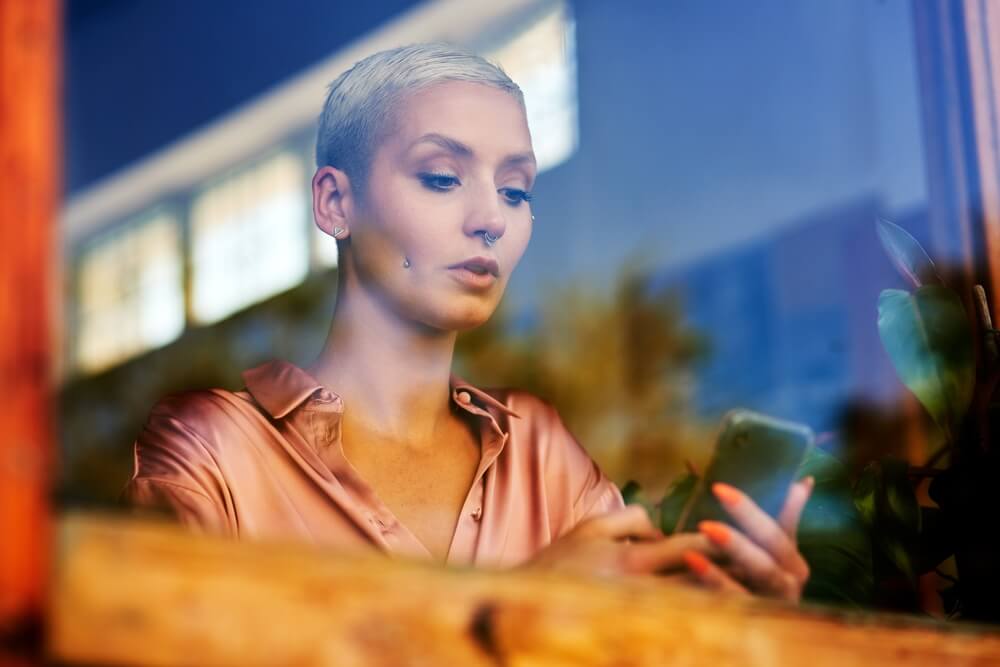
(248, 238)
(542, 60)
(732, 163)
(130, 292)
(324, 248)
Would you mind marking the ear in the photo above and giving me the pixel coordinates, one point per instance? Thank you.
(332, 201)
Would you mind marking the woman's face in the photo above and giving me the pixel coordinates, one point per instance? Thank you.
(456, 167)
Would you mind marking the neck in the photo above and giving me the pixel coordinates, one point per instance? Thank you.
(393, 376)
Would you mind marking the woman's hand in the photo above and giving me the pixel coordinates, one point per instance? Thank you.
(620, 542)
(764, 557)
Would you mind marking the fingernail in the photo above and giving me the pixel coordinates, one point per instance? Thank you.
(696, 562)
(726, 494)
(717, 532)
(810, 482)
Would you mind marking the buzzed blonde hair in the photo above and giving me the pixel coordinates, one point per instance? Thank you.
(359, 106)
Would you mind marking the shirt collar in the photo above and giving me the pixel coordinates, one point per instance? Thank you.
(280, 386)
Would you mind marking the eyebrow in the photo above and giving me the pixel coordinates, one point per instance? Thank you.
(461, 150)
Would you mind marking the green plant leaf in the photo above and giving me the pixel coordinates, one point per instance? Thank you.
(907, 254)
(833, 538)
(887, 503)
(929, 341)
(631, 492)
(866, 491)
(901, 507)
(673, 502)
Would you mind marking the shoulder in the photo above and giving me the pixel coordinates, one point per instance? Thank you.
(200, 406)
(196, 421)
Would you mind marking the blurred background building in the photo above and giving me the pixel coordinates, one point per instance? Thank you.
(712, 171)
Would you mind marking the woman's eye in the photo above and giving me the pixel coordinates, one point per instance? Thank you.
(439, 182)
(515, 196)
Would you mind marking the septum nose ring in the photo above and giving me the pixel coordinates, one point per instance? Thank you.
(490, 239)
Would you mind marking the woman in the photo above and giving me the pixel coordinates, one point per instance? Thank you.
(425, 174)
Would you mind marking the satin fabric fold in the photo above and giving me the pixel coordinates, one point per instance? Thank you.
(267, 463)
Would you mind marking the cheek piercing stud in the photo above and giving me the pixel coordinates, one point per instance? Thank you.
(406, 262)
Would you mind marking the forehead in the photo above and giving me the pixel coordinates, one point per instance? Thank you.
(479, 115)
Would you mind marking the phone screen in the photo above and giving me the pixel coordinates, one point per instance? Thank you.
(757, 454)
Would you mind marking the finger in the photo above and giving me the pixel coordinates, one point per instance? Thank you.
(796, 501)
(666, 554)
(750, 563)
(711, 575)
(762, 529)
(630, 521)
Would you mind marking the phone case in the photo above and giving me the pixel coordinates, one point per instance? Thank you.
(759, 455)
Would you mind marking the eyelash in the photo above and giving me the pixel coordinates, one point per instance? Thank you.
(432, 181)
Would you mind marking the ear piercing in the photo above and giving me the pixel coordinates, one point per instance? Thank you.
(337, 231)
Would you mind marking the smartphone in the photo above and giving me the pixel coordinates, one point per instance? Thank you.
(759, 455)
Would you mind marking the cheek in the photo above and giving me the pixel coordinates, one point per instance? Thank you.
(519, 239)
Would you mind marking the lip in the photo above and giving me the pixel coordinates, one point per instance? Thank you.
(477, 272)
(479, 262)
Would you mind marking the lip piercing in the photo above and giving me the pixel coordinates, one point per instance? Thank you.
(490, 239)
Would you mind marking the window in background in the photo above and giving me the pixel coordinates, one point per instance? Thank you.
(542, 60)
(130, 292)
(248, 238)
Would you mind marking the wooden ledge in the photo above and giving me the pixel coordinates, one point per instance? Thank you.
(126, 592)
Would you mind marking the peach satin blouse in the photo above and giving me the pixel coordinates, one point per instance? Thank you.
(267, 463)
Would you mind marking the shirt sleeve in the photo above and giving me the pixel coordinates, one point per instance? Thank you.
(174, 475)
(599, 496)
(577, 487)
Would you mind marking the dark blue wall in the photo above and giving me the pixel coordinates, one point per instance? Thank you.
(140, 75)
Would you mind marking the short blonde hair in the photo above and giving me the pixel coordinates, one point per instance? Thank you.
(358, 109)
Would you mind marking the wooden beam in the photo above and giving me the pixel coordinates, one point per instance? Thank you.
(30, 169)
(148, 594)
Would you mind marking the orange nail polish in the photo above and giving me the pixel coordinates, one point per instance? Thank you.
(726, 494)
(696, 562)
(717, 532)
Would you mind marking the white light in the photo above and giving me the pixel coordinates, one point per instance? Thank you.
(248, 238)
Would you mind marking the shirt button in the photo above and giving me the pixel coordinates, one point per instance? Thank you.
(478, 514)
(464, 397)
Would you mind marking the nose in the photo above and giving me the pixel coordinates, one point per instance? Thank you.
(487, 218)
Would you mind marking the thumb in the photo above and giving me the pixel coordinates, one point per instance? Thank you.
(796, 501)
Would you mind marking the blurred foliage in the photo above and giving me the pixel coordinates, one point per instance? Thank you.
(906, 254)
(948, 357)
(100, 415)
(929, 340)
(618, 365)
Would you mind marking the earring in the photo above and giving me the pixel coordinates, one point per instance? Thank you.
(337, 231)
(406, 262)
(532, 217)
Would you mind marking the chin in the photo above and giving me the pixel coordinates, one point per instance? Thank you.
(462, 317)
